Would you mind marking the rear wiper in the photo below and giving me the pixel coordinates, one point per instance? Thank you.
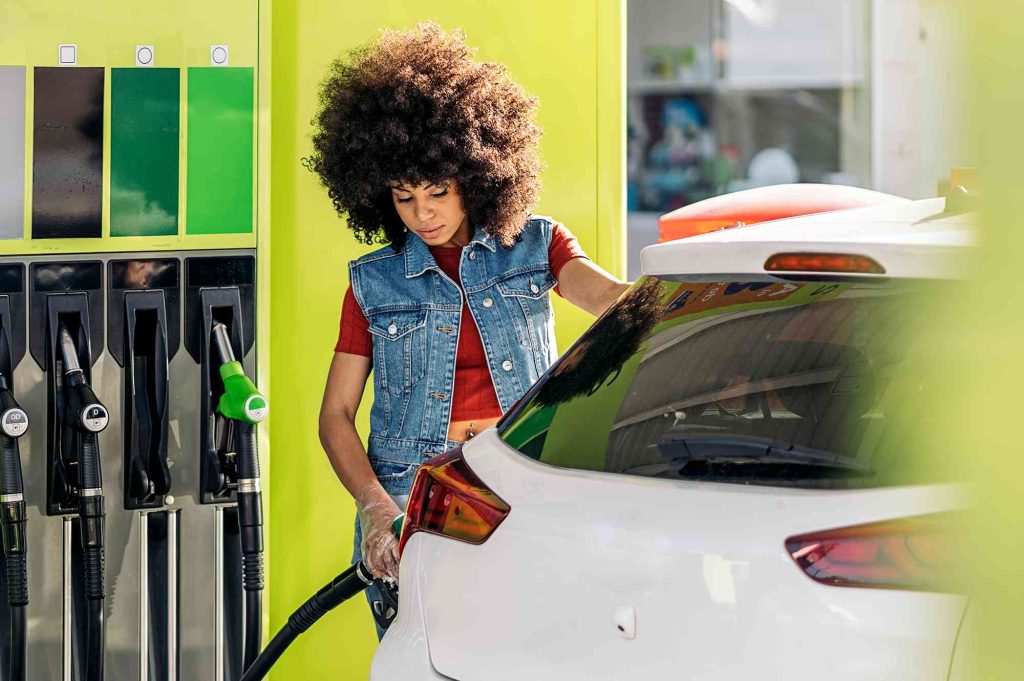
(740, 449)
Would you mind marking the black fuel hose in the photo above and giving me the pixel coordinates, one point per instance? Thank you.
(13, 423)
(349, 583)
(91, 518)
(15, 550)
(250, 525)
(85, 416)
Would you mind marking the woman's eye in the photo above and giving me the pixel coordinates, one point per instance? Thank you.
(405, 200)
(443, 192)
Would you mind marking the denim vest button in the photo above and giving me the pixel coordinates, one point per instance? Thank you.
(534, 288)
(393, 329)
(506, 365)
(472, 255)
(488, 302)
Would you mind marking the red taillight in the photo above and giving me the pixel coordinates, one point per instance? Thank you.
(448, 498)
(909, 553)
(841, 263)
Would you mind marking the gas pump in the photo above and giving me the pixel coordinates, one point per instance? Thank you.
(143, 334)
(13, 520)
(82, 418)
(219, 316)
(13, 424)
(67, 314)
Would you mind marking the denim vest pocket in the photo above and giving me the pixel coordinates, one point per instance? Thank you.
(395, 478)
(399, 348)
(527, 297)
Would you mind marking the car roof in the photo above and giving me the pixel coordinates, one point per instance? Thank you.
(911, 239)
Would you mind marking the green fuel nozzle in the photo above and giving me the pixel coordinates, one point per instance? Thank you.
(243, 404)
(241, 400)
(396, 525)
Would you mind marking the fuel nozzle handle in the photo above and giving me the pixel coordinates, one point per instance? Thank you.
(241, 400)
(84, 409)
(13, 424)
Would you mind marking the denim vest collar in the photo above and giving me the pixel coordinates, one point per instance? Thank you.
(419, 259)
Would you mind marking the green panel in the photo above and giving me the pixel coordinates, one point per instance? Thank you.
(220, 151)
(144, 113)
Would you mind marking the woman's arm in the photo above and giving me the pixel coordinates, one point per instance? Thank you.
(342, 395)
(587, 286)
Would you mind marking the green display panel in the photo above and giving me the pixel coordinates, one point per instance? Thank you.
(219, 198)
(144, 113)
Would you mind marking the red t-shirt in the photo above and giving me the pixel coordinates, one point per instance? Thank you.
(473, 396)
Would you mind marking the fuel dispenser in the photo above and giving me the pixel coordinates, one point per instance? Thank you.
(219, 325)
(143, 335)
(140, 513)
(13, 519)
(66, 309)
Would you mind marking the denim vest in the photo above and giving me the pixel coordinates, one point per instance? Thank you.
(414, 311)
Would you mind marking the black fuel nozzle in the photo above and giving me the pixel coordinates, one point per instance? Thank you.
(13, 424)
(85, 417)
(83, 410)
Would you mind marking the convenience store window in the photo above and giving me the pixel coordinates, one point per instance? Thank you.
(725, 95)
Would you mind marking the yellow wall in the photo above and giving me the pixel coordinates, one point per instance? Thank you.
(568, 53)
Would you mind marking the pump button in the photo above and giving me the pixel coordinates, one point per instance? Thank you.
(14, 422)
(94, 418)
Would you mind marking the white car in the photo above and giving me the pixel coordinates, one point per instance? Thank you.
(719, 480)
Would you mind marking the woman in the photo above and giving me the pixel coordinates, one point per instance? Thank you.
(434, 154)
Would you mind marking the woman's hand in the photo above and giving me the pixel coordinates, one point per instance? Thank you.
(587, 286)
(377, 513)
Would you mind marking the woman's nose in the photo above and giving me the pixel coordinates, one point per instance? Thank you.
(423, 211)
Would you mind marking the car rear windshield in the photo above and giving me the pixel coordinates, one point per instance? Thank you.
(786, 383)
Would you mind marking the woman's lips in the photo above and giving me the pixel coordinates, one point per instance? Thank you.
(430, 233)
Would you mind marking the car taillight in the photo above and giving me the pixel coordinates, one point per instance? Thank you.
(448, 499)
(908, 553)
(841, 263)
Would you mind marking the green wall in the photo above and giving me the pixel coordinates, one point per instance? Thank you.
(567, 53)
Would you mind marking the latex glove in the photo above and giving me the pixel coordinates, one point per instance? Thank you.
(377, 512)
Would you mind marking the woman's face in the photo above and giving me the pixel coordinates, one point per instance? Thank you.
(433, 212)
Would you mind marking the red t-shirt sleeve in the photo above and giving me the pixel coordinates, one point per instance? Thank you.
(564, 247)
(354, 328)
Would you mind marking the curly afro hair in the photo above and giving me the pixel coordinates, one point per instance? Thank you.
(416, 107)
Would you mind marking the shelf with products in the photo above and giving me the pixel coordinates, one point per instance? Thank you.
(688, 147)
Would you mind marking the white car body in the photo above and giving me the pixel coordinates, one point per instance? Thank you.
(601, 576)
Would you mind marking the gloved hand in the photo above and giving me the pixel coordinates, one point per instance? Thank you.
(377, 512)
